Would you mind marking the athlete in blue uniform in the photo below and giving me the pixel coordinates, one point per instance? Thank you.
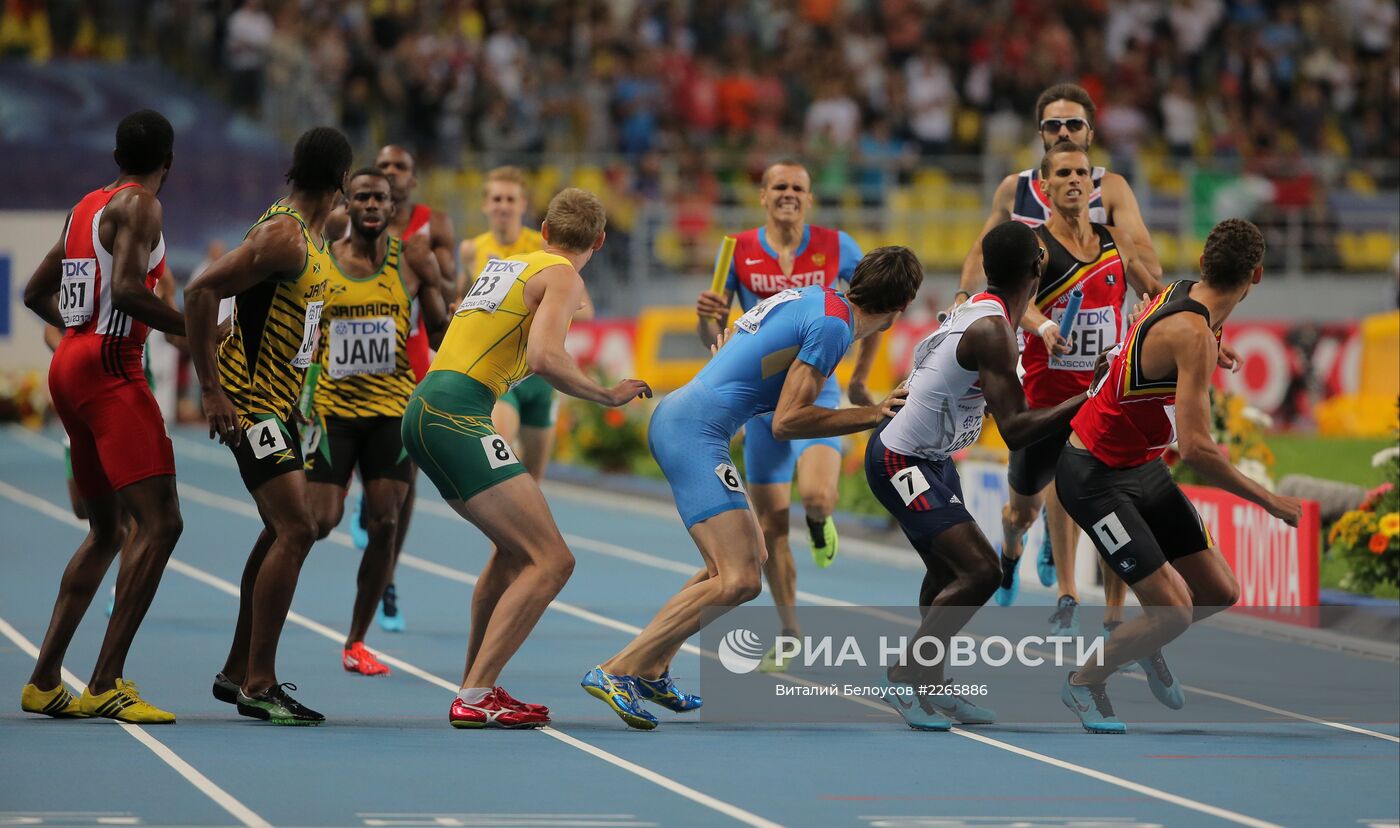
(778, 360)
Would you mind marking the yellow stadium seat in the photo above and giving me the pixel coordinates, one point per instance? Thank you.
(668, 248)
(1379, 249)
(1361, 183)
(1349, 249)
(1168, 250)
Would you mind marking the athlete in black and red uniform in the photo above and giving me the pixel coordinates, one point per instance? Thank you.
(1112, 481)
(98, 284)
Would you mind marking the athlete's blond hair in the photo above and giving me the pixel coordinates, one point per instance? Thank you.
(508, 174)
(575, 218)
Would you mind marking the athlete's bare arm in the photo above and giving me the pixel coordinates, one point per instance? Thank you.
(1002, 201)
(41, 293)
(336, 223)
(1140, 276)
(425, 284)
(274, 249)
(556, 292)
(52, 336)
(866, 352)
(586, 311)
(713, 310)
(165, 291)
(1124, 214)
(466, 251)
(989, 347)
(799, 417)
(1189, 340)
(130, 228)
(1033, 320)
(444, 247)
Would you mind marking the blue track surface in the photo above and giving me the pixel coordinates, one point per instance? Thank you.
(388, 758)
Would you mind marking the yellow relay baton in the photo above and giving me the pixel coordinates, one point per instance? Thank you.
(726, 258)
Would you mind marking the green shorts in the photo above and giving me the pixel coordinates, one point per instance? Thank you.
(536, 400)
(447, 430)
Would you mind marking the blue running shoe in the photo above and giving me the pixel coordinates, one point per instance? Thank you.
(618, 692)
(358, 534)
(1090, 703)
(663, 691)
(111, 602)
(913, 708)
(1010, 579)
(1164, 685)
(1045, 563)
(1065, 619)
(959, 709)
(387, 614)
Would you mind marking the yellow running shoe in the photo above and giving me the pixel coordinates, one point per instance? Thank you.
(124, 704)
(824, 541)
(57, 702)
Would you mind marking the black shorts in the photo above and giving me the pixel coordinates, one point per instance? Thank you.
(1032, 468)
(1138, 518)
(270, 448)
(375, 444)
(925, 496)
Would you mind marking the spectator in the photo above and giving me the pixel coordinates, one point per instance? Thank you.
(931, 100)
(833, 117)
(1179, 119)
(250, 33)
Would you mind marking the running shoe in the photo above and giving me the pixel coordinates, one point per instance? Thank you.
(493, 711)
(388, 612)
(276, 706)
(824, 541)
(960, 709)
(770, 663)
(57, 702)
(510, 701)
(358, 534)
(1163, 683)
(619, 693)
(913, 708)
(358, 659)
(124, 704)
(1045, 562)
(1010, 585)
(225, 690)
(111, 602)
(1065, 619)
(663, 691)
(1090, 703)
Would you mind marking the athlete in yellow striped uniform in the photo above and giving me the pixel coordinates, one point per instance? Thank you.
(279, 277)
(512, 323)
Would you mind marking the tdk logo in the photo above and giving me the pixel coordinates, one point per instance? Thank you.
(365, 327)
(79, 268)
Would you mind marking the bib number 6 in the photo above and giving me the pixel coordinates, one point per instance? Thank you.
(498, 451)
(729, 476)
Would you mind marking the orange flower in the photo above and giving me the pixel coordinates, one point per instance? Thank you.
(614, 418)
(1378, 543)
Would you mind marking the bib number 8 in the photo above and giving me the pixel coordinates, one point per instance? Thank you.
(498, 451)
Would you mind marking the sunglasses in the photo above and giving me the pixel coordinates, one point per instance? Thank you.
(1054, 124)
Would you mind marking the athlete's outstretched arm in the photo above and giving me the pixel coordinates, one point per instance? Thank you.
(798, 417)
(467, 253)
(989, 346)
(1193, 346)
(273, 248)
(444, 248)
(713, 310)
(421, 268)
(137, 219)
(866, 352)
(41, 293)
(1002, 201)
(1124, 213)
(561, 291)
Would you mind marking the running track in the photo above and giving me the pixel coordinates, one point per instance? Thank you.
(387, 757)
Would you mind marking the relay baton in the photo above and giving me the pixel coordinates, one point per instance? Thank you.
(726, 257)
(1076, 297)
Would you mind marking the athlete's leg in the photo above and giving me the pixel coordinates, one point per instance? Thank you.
(384, 499)
(1017, 518)
(81, 578)
(506, 418)
(1064, 538)
(818, 476)
(1212, 583)
(498, 574)
(537, 446)
(283, 503)
(732, 545)
(236, 664)
(772, 502)
(1167, 612)
(327, 506)
(1115, 593)
(156, 526)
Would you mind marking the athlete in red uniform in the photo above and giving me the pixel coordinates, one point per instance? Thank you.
(97, 282)
(1112, 481)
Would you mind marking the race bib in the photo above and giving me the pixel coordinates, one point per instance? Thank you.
(729, 476)
(362, 346)
(265, 438)
(491, 285)
(966, 425)
(1095, 331)
(75, 298)
(909, 483)
(751, 321)
(308, 335)
(498, 451)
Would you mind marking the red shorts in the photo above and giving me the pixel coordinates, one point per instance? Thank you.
(420, 356)
(113, 423)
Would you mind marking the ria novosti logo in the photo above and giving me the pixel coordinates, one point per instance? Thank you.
(740, 651)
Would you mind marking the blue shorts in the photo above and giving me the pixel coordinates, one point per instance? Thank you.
(769, 460)
(691, 445)
(925, 496)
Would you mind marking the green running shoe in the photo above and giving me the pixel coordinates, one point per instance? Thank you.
(824, 541)
(274, 705)
(770, 663)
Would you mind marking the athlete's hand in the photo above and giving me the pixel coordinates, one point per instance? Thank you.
(1101, 366)
(1287, 509)
(859, 393)
(893, 402)
(1054, 342)
(223, 420)
(725, 334)
(627, 390)
(712, 304)
(1229, 360)
(1138, 309)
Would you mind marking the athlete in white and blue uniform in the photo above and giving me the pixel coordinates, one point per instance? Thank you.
(779, 358)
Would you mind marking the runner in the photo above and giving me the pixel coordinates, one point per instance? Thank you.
(966, 366)
(786, 252)
(781, 358)
(511, 324)
(97, 282)
(363, 385)
(1111, 478)
(250, 384)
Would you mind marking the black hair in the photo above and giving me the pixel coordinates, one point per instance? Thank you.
(145, 140)
(1072, 92)
(320, 160)
(1009, 255)
(372, 172)
(1233, 249)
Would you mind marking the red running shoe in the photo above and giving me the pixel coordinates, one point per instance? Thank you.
(510, 701)
(358, 659)
(492, 711)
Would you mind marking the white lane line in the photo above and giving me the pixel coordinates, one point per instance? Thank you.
(222, 798)
(214, 792)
